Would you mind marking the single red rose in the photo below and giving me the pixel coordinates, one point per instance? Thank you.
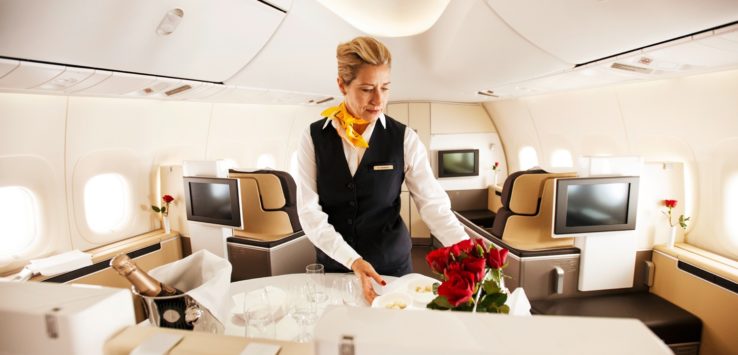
(497, 257)
(438, 259)
(167, 198)
(458, 288)
(670, 203)
(464, 246)
(476, 266)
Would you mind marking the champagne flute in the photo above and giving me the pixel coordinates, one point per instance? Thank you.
(316, 282)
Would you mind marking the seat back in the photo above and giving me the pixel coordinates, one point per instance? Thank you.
(269, 207)
(524, 220)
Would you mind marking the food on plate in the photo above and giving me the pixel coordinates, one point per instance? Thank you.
(396, 305)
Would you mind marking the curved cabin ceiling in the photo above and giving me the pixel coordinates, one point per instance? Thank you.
(283, 51)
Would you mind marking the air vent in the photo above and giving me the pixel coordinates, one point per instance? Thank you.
(489, 93)
(631, 68)
(177, 90)
(320, 101)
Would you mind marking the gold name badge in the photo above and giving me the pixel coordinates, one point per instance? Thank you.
(384, 167)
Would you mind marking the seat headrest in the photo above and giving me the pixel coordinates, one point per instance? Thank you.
(507, 187)
(271, 180)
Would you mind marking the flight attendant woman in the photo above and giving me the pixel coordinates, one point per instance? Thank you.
(352, 164)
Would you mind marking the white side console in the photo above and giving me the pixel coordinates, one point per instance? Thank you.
(49, 318)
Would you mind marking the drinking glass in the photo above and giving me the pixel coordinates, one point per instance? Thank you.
(347, 291)
(258, 316)
(303, 309)
(316, 282)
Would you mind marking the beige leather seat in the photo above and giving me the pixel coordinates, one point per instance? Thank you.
(272, 241)
(525, 218)
(268, 199)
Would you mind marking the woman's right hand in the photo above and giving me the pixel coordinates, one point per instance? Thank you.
(365, 272)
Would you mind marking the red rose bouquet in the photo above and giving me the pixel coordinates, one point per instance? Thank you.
(472, 277)
(164, 210)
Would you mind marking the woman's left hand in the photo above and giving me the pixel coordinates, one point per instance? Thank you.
(366, 273)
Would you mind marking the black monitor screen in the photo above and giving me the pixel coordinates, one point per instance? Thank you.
(454, 163)
(213, 200)
(601, 204)
(594, 205)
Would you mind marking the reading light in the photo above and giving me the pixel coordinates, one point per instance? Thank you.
(169, 22)
(388, 18)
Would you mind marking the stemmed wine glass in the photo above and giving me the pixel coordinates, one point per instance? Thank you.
(303, 309)
(259, 316)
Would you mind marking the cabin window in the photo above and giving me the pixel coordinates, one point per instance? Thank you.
(265, 161)
(731, 209)
(528, 158)
(561, 158)
(18, 219)
(106, 202)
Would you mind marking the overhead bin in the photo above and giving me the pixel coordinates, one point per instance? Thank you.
(210, 41)
(581, 31)
(704, 52)
(7, 65)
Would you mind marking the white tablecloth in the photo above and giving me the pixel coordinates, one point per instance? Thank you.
(286, 328)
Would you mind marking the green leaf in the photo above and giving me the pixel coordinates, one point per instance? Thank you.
(436, 285)
(491, 287)
(442, 302)
(503, 309)
(163, 209)
(498, 299)
(156, 209)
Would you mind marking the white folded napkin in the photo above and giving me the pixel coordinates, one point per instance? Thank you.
(203, 276)
(60, 263)
(518, 303)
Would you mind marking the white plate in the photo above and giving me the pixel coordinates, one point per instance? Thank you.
(421, 290)
(393, 300)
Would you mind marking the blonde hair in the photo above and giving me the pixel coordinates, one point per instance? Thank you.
(357, 52)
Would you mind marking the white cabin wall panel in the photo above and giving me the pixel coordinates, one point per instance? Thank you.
(459, 118)
(32, 155)
(590, 121)
(244, 132)
(130, 137)
(696, 116)
(516, 129)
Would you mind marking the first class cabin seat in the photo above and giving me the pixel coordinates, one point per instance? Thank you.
(548, 269)
(271, 241)
(525, 218)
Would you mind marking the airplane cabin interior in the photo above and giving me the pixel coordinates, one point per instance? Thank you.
(153, 182)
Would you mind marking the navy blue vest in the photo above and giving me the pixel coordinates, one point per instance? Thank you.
(365, 208)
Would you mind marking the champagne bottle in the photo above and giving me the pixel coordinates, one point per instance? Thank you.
(171, 310)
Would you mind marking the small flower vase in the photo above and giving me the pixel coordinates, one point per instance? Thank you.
(494, 178)
(165, 224)
(672, 237)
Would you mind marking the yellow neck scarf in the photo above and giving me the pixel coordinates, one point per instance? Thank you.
(347, 121)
